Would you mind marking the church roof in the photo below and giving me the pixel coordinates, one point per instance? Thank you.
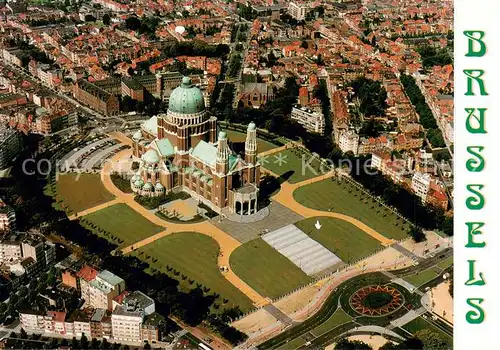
(151, 125)
(206, 153)
(151, 157)
(164, 147)
(186, 98)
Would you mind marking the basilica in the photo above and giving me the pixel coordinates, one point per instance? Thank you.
(183, 150)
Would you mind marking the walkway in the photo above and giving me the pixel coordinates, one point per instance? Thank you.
(285, 197)
(94, 209)
(226, 243)
(117, 135)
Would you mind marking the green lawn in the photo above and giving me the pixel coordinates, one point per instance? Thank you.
(122, 222)
(194, 256)
(295, 164)
(343, 239)
(446, 263)
(338, 318)
(420, 323)
(78, 192)
(262, 145)
(423, 277)
(265, 270)
(344, 198)
(293, 344)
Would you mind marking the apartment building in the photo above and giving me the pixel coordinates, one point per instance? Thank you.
(10, 146)
(7, 217)
(420, 184)
(311, 120)
(128, 318)
(85, 276)
(298, 11)
(348, 141)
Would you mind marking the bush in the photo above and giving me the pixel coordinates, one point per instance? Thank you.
(121, 183)
(154, 202)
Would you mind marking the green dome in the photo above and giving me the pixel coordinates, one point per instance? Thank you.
(148, 186)
(252, 126)
(139, 183)
(159, 186)
(151, 157)
(186, 98)
(222, 135)
(135, 178)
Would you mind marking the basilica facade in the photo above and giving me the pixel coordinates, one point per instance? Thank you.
(184, 150)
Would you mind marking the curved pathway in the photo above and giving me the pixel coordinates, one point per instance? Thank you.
(285, 197)
(226, 243)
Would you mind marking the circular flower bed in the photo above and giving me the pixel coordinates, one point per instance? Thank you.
(376, 300)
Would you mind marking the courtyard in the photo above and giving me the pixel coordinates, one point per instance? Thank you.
(345, 198)
(238, 138)
(191, 258)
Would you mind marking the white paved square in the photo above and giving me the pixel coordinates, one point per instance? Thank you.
(310, 256)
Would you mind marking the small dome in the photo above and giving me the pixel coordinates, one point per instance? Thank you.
(148, 186)
(252, 126)
(135, 178)
(159, 186)
(137, 135)
(186, 99)
(151, 157)
(222, 135)
(139, 183)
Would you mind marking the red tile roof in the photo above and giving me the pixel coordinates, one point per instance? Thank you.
(88, 273)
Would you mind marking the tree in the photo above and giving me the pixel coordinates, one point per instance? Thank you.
(346, 344)
(408, 344)
(23, 334)
(106, 19)
(133, 23)
(304, 45)
(431, 340)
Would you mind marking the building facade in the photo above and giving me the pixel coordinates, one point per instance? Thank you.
(10, 146)
(182, 150)
(311, 120)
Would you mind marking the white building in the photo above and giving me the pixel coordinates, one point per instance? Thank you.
(349, 141)
(311, 120)
(420, 184)
(127, 319)
(298, 11)
(103, 289)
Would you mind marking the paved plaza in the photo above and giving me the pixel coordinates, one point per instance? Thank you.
(310, 256)
(278, 216)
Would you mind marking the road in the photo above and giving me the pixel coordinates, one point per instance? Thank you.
(331, 306)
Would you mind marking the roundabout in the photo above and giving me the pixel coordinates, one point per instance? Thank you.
(376, 300)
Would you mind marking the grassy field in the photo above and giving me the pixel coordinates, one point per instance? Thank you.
(338, 318)
(423, 277)
(194, 257)
(420, 323)
(78, 192)
(346, 199)
(262, 145)
(295, 164)
(265, 270)
(293, 344)
(343, 239)
(446, 263)
(122, 222)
